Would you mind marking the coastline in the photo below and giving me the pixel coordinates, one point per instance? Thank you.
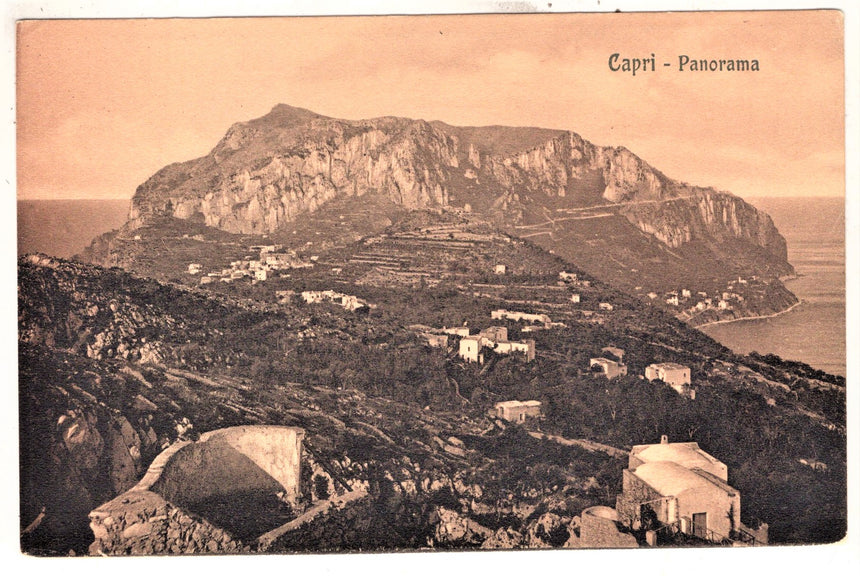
(766, 316)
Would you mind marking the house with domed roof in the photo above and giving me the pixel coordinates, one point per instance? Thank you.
(681, 486)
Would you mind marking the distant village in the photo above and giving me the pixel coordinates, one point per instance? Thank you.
(691, 304)
(272, 259)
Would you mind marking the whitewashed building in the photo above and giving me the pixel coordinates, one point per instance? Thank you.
(681, 486)
(516, 411)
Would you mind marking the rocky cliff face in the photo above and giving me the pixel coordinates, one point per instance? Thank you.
(708, 215)
(265, 173)
(568, 165)
(268, 172)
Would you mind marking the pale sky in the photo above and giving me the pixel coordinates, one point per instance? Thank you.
(102, 105)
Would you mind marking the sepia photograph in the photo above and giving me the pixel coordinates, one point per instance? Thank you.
(527, 279)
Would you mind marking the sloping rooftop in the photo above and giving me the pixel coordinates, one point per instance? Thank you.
(671, 479)
(685, 454)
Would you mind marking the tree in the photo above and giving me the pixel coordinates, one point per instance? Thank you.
(321, 487)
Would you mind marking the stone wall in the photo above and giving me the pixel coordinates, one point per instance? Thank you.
(233, 461)
(599, 529)
(629, 502)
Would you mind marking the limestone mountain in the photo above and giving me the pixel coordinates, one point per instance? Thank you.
(604, 208)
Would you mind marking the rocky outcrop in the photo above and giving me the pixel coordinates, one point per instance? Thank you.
(547, 531)
(569, 165)
(454, 529)
(145, 524)
(503, 539)
(77, 450)
(710, 216)
(64, 305)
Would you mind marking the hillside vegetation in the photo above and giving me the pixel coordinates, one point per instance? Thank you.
(137, 363)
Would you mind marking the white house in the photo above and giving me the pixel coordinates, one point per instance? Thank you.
(525, 347)
(492, 334)
(516, 411)
(669, 372)
(435, 340)
(675, 375)
(520, 317)
(461, 331)
(470, 349)
(500, 269)
(610, 368)
(681, 485)
(347, 301)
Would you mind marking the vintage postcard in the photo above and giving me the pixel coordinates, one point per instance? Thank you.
(431, 283)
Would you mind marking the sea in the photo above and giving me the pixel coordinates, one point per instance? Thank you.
(64, 228)
(813, 332)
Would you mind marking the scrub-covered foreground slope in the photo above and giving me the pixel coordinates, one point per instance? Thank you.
(115, 367)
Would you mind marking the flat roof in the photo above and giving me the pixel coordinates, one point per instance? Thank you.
(517, 403)
(606, 361)
(671, 366)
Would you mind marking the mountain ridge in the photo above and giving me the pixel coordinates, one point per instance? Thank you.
(603, 208)
(547, 157)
